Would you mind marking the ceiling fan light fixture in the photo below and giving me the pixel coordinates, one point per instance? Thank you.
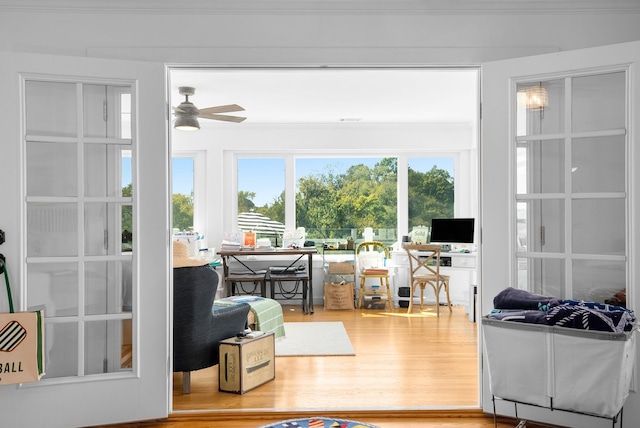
(186, 113)
(186, 122)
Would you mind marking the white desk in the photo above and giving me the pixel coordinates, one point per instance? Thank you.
(461, 268)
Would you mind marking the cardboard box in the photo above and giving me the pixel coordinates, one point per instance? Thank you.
(343, 268)
(246, 363)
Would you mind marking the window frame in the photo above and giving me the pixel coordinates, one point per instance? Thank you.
(464, 164)
(199, 185)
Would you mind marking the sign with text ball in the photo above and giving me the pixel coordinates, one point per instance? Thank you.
(21, 342)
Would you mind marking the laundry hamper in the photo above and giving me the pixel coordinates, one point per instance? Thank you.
(570, 369)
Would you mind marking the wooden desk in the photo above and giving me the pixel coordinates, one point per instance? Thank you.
(226, 255)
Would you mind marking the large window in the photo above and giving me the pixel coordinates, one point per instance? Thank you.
(431, 190)
(336, 198)
(261, 184)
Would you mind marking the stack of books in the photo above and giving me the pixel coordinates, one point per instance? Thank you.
(229, 245)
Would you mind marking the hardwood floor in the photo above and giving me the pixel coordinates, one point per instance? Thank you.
(401, 362)
(408, 372)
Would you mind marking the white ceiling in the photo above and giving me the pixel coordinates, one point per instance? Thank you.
(334, 95)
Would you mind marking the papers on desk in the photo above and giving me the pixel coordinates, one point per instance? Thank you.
(229, 245)
(263, 244)
(231, 241)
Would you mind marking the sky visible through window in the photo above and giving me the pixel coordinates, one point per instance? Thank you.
(182, 171)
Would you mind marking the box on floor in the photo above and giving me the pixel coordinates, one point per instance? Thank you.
(246, 363)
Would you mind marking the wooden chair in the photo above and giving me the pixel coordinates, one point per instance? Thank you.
(424, 265)
(380, 273)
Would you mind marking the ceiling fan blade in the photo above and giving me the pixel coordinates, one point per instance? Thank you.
(224, 117)
(221, 109)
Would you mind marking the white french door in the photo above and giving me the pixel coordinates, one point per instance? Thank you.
(84, 161)
(560, 183)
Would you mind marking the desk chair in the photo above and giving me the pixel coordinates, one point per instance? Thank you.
(299, 277)
(381, 274)
(424, 265)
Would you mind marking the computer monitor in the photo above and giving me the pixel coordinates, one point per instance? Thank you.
(452, 230)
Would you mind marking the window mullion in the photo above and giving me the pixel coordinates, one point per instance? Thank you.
(81, 229)
(403, 195)
(290, 192)
(568, 207)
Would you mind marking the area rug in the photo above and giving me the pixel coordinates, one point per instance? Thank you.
(314, 339)
(319, 422)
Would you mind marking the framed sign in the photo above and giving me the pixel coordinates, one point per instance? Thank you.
(249, 239)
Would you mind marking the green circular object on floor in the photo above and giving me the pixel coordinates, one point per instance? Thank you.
(319, 422)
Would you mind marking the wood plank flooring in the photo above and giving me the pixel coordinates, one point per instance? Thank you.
(402, 361)
(408, 372)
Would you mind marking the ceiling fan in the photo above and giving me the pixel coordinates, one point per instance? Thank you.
(187, 113)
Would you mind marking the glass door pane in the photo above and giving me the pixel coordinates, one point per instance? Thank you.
(540, 107)
(540, 166)
(598, 226)
(598, 102)
(591, 156)
(53, 169)
(51, 108)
